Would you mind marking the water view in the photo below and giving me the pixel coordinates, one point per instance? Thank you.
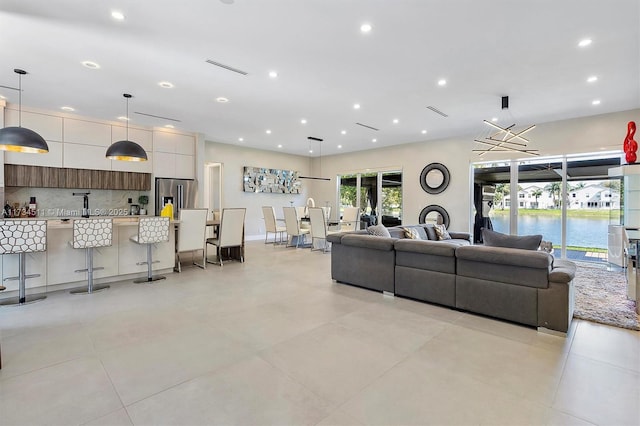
(581, 231)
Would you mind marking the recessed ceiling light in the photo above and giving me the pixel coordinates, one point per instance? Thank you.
(117, 15)
(240, 139)
(227, 1)
(123, 118)
(91, 64)
(365, 28)
(494, 119)
(424, 132)
(592, 79)
(310, 151)
(339, 146)
(442, 82)
(268, 131)
(374, 140)
(279, 146)
(395, 121)
(356, 106)
(273, 74)
(3, 97)
(344, 132)
(169, 126)
(67, 108)
(303, 121)
(584, 43)
(596, 102)
(166, 84)
(222, 100)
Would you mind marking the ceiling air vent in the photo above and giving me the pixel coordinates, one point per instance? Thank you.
(368, 127)
(437, 111)
(158, 116)
(226, 67)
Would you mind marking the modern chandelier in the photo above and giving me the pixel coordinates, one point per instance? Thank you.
(126, 150)
(505, 139)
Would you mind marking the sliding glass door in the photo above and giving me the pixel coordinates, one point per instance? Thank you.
(378, 194)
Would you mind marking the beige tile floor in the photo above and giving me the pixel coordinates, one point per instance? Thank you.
(275, 341)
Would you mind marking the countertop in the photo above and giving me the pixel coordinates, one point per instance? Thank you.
(59, 223)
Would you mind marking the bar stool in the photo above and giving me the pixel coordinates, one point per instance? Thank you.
(151, 230)
(89, 234)
(22, 236)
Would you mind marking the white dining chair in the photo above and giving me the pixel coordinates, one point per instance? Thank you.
(230, 233)
(192, 234)
(319, 228)
(292, 222)
(271, 225)
(350, 219)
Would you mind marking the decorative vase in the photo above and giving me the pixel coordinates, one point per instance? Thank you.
(630, 145)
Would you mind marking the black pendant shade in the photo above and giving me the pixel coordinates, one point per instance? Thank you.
(126, 150)
(20, 139)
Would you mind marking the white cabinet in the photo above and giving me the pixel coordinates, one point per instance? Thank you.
(164, 164)
(47, 126)
(63, 260)
(51, 159)
(85, 157)
(185, 166)
(130, 253)
(87, 132)
(174, 155)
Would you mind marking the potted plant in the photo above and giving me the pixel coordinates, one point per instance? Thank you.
(143, 200)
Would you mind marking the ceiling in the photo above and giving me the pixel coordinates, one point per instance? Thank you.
(484, 50)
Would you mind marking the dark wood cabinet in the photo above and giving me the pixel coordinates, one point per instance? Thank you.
(53, 177)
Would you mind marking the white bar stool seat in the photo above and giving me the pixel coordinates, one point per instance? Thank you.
(151, 230)
(89, 234)
(22, 236)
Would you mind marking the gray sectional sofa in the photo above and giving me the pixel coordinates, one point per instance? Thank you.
(523, 286)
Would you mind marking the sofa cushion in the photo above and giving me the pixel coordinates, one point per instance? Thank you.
(441, 232)
(431, 232)
(368, 241)
(415, 232)
(497, 239)
(378, 231)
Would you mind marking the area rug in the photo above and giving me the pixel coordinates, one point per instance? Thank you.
(601, 296)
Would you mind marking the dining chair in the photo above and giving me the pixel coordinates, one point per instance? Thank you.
(191, 234)
(319, 227)
(350, 219)
(230, 234)
(292, 222)
(271, 225)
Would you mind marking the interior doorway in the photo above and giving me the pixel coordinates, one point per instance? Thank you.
(213, 185)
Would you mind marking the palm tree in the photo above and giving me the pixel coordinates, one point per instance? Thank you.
(554, 188)
(537, 193)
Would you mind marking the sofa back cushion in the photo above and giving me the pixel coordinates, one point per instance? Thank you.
(497, 239)
(378, 231)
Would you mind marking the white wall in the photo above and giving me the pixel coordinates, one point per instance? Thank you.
(234, 158)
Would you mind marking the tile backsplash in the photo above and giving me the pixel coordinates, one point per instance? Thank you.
(54, 202)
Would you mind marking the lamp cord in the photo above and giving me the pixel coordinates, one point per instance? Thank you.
(19, 100)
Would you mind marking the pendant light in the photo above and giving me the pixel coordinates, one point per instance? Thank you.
(20, 139)
(311, 138)
(126, 150)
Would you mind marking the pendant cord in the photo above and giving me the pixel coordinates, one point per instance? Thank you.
(19, 100)
(127, 118)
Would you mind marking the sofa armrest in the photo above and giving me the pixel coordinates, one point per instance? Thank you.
(564, 271)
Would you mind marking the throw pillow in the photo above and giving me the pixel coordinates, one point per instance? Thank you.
(378, 230)
(431, 232)
(497, 239)
(412, 233)
(441, 232)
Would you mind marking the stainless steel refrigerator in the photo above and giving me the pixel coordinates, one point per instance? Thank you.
(180, 192)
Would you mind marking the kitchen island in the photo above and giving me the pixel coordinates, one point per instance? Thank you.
(56, 266)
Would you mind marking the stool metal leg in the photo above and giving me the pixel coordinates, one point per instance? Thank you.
(150, 277)
(22, 298)
(89, 270)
